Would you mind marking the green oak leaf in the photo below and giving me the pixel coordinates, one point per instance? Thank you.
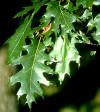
(91, 25)
(84, 38)
(95, 23)
(85, 3)
(23, 12)
(35, 5)
(59, 17)
(31, 75)
(63, 53)
(17, 41)
(86, 15)
(48, 42)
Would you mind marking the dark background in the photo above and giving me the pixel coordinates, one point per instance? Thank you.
(77, 90)
(7, 10)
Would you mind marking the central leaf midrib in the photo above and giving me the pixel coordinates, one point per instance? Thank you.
(63, 15)
(34, 59)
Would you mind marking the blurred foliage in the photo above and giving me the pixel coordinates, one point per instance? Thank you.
(91, 106)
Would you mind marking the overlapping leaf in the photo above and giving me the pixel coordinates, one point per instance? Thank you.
(31, 75)
(59, 17)
(85, 3)
(95, 23)
(64, 52)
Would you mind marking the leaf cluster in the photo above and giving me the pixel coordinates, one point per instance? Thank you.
(45, 42)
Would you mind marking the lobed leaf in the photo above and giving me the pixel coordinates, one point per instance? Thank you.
(35, 5)
(63, 53)
(85, 3)
(59, 17)
(95, 23)
(17, 41)
(31, 75)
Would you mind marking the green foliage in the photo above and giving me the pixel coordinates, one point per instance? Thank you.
(54, 36)
(17, 41)
(67, 53)
(32, 72)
